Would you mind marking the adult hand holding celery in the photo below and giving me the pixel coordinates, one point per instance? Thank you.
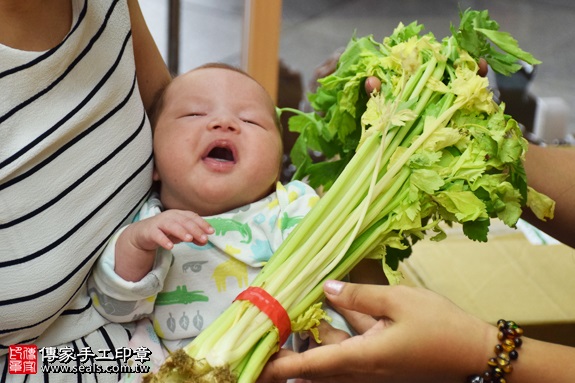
(430, 147)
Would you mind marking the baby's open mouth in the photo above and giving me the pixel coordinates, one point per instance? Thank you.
(221, 154)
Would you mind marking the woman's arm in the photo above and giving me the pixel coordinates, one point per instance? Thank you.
(551, 171)
(152, 72)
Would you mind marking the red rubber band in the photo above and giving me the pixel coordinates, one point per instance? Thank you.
(269, 306)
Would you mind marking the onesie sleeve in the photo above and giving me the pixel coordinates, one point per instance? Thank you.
(123, 301)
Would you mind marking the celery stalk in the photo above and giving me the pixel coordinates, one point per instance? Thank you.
(431, 146)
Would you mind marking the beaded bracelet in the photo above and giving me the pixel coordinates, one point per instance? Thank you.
(509, 336)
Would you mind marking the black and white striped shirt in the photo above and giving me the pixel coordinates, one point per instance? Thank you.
(75, 163)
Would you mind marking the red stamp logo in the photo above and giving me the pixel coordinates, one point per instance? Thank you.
(22, 359)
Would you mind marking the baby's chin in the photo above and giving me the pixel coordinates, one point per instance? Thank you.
(222, 193)
(217, 203)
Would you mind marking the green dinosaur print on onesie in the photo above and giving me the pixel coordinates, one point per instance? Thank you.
(288, 222)
(180, 295)
(223, 225)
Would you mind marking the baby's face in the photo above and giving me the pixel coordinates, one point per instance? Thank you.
(216, 145)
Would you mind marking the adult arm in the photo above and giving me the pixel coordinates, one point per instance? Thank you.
(151, 70)
(550, 171)
(413, 335)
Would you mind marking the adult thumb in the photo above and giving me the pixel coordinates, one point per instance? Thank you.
(363, 298)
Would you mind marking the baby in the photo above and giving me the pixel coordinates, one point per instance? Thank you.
(220, 212)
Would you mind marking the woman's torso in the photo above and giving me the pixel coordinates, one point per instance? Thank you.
(75, 162)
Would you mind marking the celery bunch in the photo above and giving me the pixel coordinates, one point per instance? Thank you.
(430, 147)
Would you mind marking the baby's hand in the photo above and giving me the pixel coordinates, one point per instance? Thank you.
(169, 228)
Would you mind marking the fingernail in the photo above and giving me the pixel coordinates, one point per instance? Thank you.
(333, 287)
